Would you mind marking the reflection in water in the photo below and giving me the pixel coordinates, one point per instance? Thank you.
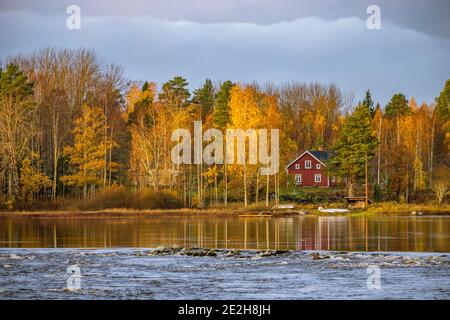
(391, 233)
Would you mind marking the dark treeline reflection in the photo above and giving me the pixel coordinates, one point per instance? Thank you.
(299, 233)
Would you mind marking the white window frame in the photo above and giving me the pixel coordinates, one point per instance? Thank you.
(297, 166)
(308, 164)
(317, 175)
(317, 165)
(298, 178)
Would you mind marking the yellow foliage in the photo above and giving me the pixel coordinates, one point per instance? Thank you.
(31, 179)
(87, 155)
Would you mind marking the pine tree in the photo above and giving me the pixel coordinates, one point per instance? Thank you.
(175, 93)
(443, 113)
(221, 114)
(397, 106)
(369, 102)
(355, 143)
(204, 97)
(443, 103)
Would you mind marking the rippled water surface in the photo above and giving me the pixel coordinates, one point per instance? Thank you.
(328, 258)
(381, 233)
(136, 274)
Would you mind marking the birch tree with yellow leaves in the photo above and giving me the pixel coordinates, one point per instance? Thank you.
(245, 114)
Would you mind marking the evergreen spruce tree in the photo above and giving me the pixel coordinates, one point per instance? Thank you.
(204, 97)
(443, 115)
(221, 114)
(355, 143)
(369, 102)
(443, 103)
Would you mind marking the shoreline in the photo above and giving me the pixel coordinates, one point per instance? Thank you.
(120, 213)
(381, 210)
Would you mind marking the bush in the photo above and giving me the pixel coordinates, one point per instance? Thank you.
(150, 199)
(121, 198)
(113, 197)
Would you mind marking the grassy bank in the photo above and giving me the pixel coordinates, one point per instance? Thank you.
(407, 208)
(236, 209)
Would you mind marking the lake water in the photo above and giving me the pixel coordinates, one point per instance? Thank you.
(331, 233)
(328, 258)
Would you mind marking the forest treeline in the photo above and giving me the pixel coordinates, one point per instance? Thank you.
(73, 128)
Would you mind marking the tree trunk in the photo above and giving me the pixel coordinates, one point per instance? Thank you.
(110, 155)
(267, 190)
(432, 151)
(55, 156)
(225, 198)
(245, 185)
(350, 188)
(257, 187)
(216, 191)
(379, 151)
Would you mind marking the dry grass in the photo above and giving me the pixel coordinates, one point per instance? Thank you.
(407, 208)
(233, 210)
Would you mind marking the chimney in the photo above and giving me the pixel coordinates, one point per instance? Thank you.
(320, 148)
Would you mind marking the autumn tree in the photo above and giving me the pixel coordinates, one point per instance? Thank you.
(312, 113)
(31, 179)
(441, 184)
(86, 156)
(244, 114)
(17, 120)
(64, 79)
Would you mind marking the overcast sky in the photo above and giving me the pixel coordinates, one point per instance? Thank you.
(245, 40)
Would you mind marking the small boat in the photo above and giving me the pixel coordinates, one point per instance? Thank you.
(334, 210)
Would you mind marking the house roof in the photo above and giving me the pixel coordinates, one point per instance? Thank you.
(321, 156)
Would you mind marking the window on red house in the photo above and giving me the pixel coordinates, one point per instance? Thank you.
(308, 164)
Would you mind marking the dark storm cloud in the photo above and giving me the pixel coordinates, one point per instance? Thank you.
(427, 16)
(260, 42)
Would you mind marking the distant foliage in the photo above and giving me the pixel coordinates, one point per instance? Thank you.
(68, 117)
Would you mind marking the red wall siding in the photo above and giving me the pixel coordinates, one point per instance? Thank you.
(308, 174)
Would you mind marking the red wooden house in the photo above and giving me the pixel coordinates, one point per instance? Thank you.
(308, 169)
